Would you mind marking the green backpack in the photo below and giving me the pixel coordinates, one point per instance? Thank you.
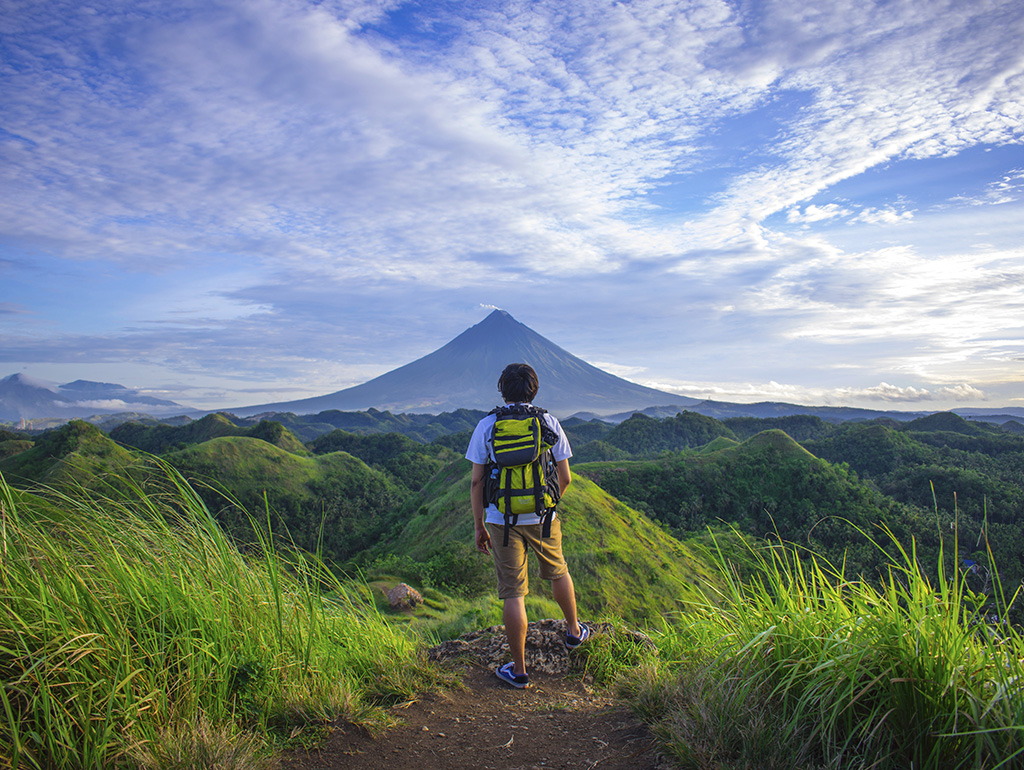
(523, 479)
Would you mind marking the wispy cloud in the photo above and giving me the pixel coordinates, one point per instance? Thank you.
(273, 178)
(1005, 190)
(813, 213)
(886, 216)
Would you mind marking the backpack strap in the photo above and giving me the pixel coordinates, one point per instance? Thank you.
(538, 490)
(546, 520)
(510, 521)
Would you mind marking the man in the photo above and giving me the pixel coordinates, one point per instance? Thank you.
(518, 385)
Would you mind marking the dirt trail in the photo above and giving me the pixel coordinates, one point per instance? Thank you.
(555, 724)
(558, 723)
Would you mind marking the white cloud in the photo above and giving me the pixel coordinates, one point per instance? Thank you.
(886, 392)
(886, 216)
(1005, 190)
(280, 130)
(813, 213)
(620, 370)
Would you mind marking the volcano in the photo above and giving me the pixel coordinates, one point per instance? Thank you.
(464, 374)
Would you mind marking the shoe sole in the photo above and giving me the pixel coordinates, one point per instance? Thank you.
(512, 682)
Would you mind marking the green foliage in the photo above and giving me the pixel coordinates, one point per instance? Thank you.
(644, 436)
(406, 460)
(456, 442)
(609, 655)
(158, 439)
(12, 447)
(948, 422)
(455, 568)
(130, 626)
(580, 432)
(622, 563)
(719, 443)
(597, 451)
(424, 428)
(333, 502)
(837, 672)
(966, 475)
(799, 427)
(76, 453)
(768, 485)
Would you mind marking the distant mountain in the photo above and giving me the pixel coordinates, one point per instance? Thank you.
(23, 397)
(464, 374)
(835, 414)
(722, 410)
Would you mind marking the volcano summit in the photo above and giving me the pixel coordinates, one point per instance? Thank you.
(464, 374)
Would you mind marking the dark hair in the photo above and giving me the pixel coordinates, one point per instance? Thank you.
(518, 383)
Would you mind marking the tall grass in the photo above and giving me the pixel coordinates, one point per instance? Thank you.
(801, 666)
(132, 631)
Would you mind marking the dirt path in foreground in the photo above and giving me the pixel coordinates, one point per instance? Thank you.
(557, 723)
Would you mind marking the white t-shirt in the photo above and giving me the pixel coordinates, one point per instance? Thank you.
(481, 453)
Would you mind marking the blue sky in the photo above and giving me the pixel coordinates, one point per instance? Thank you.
(228, 203)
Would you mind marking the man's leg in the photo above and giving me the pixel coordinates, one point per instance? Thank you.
(514, 615)
(564, 593)
(513, 584)
(552, 563)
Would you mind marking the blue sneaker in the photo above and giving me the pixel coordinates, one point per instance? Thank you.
(572, 642)
(506, 674)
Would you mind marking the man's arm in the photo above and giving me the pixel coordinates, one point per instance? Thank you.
(476, 495)
(564, 476)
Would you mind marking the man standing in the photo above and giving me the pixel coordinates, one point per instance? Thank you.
(518, 385)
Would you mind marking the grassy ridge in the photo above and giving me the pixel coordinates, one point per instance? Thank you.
(621, 562)
(769, 484)
(77, 454)
(333, 499)
(157, 439)
(132, 630)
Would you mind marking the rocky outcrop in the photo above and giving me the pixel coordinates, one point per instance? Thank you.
(545, 646)
(404, 597)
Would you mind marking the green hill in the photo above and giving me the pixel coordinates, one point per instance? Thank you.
(644, 436)
(12, 447)
(954, 466)
(353, 503)
(420, 427)
(718, 444)
(410, 462)
(76, 452)
(621, 562)
(596, 451)
(800, 427)
(157, 439)
(768, 484)
(581, 432)
(947, 422)
(871, 449)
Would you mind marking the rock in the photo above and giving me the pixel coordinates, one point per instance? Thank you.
(404, 597)
(545, 645)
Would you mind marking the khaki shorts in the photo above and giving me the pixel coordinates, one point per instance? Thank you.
(510, 560)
